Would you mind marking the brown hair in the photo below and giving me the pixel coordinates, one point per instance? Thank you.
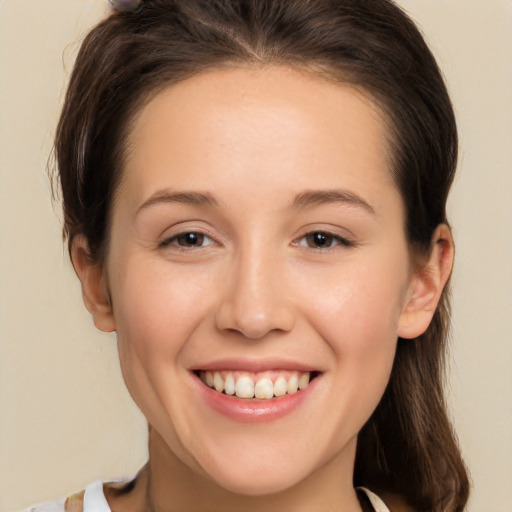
(408, 446)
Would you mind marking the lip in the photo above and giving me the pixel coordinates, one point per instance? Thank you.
(251, 410)
(255, 365)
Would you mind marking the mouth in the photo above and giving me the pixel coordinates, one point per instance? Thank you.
(257, 386)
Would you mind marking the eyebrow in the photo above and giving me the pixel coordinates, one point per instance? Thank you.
(169, 197)
(305, 199)
(318, 197)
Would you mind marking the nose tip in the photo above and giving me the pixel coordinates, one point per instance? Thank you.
(255, 306)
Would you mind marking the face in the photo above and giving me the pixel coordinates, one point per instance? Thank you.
(257, 242)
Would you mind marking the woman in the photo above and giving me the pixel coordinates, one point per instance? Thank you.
(254, 196)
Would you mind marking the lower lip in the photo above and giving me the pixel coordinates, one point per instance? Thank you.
(252, 410)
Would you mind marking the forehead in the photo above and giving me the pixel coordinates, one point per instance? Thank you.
(257, 120)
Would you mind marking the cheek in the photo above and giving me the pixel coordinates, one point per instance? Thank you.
(363, 303)
(156, 310)
(360, 325)
(357, 316)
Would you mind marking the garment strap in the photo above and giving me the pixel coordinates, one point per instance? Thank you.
(377, 503)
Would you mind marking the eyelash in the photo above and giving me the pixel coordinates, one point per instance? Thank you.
(176, 238)
(345, 242)
(331, 238)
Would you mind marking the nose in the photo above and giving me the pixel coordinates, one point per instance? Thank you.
(255, 300)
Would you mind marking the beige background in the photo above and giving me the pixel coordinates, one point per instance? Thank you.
(65, 417)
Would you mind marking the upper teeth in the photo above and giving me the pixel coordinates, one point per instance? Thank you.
(266, 386)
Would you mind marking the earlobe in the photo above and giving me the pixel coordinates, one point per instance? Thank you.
(426, 285)
(94, 286)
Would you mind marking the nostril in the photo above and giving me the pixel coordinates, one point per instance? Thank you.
(254, 321)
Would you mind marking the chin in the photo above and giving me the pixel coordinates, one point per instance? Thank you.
(258, 483)
(252, 469)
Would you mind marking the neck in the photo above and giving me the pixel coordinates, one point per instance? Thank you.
(166, 484)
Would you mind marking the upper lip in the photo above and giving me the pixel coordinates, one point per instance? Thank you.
(254, 365)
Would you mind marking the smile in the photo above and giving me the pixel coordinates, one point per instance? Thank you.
(261, 385)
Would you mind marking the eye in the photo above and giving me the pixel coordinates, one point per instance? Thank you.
(322, 240)
(188, 240)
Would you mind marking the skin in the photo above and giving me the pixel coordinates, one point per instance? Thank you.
(256, 288)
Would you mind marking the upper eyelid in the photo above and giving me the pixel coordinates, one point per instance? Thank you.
(167, 240)
(179, 229)
(331, 228)
(337, 236)
(344, 239)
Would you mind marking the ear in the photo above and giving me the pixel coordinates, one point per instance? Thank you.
(94, 285)
(427, 284)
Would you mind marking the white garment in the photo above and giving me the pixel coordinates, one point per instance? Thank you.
(377, 504)
(95, 501)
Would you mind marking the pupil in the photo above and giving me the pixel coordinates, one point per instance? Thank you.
(320, 239)
(191, 239)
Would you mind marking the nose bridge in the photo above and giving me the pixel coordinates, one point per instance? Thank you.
(254, 302)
